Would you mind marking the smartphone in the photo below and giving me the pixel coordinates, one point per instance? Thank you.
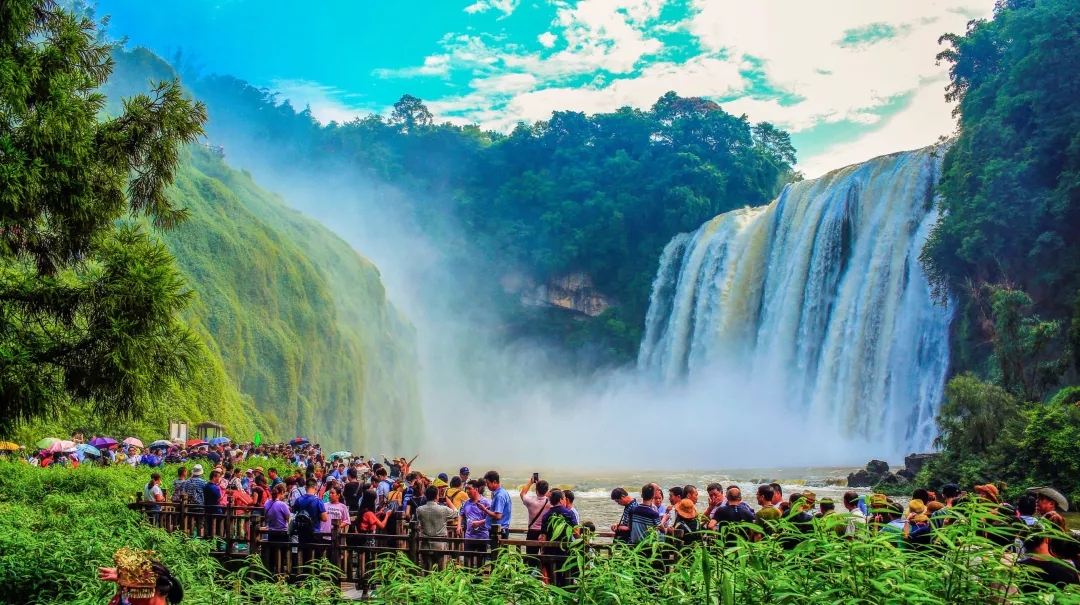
(536, 477)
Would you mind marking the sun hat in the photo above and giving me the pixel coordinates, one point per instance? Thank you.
(988, 491)
(197, 470)
(685, 509)
(916, 506)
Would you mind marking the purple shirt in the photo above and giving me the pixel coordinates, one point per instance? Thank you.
(471, 512)
(277, 515)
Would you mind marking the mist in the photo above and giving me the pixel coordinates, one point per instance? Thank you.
(492, 402)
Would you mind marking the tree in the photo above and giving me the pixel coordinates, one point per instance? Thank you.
(88, 306)
(410, 114)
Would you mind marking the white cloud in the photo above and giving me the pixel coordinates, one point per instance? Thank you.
(434, 65)
(506, 7)
(328, 104)
(795, 45)
(920, 124)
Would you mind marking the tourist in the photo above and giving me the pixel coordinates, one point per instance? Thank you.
(1044, 565)
(434, 523)
(179, 485)
(368, 521)
(463, 474)
(273, 477)
(456, 496)
(335, 510)
(568, 502)
(686, 520)
(500, 511)
(383, 486)
(800, 520)
(558, 526)
(1026, 507)
(236, 494)
(856, 517)
(667, 520)
(260, 492)
(212, 493)
(622, 529)
(167, 589)
(277, 514)
(767, 513)
(311, 506)
(731, 513)
(473, 518)
(195, 485)
(536, 505)
(352, 492)
(152, 490)
(778, 494)
(715, 491)
(1048, 500)
(296, 490)
(644, 518)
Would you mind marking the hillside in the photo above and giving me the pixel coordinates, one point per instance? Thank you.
(299, 320)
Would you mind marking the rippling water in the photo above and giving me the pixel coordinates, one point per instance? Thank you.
(593, 488)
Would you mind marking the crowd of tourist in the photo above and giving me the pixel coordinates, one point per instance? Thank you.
(360, 494)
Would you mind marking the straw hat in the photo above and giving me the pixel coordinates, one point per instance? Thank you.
(916, 506)
(685, 509)
(988, 491)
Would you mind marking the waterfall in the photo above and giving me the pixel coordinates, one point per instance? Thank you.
(817, 299)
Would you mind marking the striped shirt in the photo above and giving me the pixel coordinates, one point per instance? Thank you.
(642, 519)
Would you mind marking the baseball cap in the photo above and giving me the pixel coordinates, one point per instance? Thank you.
(464, 470)
(444, 476)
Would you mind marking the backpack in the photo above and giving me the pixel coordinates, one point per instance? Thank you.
(303, 526)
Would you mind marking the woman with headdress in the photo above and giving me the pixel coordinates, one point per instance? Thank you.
(140, 579)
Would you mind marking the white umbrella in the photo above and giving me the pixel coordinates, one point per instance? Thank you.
(62, 446)
(133, 441)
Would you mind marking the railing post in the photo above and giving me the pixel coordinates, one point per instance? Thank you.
(414, 542)
(495, 537)
(229, 528)
(183, 514)
(335, 543)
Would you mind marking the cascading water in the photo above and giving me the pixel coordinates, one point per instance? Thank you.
(817, 299)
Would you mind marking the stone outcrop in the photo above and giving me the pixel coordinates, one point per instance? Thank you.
(571, 291)
(874, 472)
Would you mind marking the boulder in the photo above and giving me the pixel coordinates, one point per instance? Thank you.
(860, 478)
(893, 479)
(914, 463)
(877, 467)
(906, 474)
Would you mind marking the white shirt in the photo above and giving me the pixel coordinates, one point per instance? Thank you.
(854, 516)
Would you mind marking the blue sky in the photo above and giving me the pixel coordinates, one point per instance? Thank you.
(850, 79)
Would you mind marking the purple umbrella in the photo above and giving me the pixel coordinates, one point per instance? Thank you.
(103, 442)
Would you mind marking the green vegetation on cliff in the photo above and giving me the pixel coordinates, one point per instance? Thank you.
(244, 311)
(298, 318)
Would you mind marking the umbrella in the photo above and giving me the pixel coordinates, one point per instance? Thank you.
(61, 446)
(1053, 494)
(88, 450)
(160, 443)
(103, 442)
(219, 440)
(341, 454)
(7, 446)
(45, 443)
(194, 442)
(133, 441)
(299, 441)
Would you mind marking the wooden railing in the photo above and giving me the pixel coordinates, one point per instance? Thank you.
(238, 532)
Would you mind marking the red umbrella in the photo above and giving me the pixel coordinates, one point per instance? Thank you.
(194, 442)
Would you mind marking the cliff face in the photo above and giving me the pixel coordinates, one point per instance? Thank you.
(300, 320)
(571, 291)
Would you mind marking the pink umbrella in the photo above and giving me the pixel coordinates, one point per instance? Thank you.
(133, 441)
(61, 446)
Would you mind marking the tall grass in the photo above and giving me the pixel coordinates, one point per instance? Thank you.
(58, 525)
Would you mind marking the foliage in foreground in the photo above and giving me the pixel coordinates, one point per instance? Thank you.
(89, 308)
(57, 525)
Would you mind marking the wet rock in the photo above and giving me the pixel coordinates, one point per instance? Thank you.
(877, 467)
(914, 463)
(860, 478)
